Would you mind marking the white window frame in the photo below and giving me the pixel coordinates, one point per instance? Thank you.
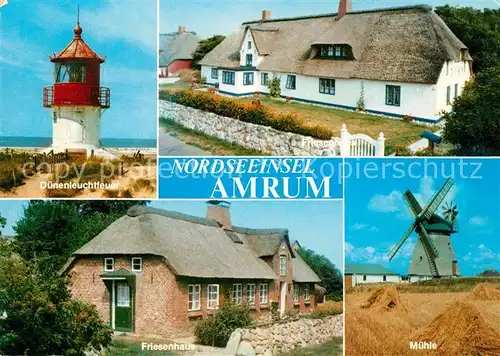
(283, 267)
(106, 269)
(250, 297)
(140, 264)
(237, 293)
(209, 297)
(266, 293)
(194, 289)
(307, 292)
(296, 293)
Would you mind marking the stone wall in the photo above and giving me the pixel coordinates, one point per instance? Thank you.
(258, 137)
(282, 337)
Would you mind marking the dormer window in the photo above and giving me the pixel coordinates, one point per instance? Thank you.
(249, 44)
(109, 264)
(282, 265)
(334, 51)
(249, 60)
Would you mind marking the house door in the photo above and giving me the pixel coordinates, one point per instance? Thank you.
(283, 298)
(123, 306)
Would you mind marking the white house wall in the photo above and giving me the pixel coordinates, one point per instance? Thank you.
(253, 51)
(358, 279)
(420, 101)
(452, 73)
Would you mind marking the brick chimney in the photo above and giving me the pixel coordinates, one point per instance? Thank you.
(182, 29)
(218, 211)
(266, 15)
(345, 6)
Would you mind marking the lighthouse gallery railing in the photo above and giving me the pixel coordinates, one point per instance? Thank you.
(102, 94)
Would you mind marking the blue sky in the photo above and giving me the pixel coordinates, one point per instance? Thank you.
(317, 225)
(209, 17)
(376, 216)
(123, 31)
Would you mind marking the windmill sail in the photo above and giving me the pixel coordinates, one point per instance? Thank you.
(428, 242)
(396, 248)
(412, 203)
(437, 199)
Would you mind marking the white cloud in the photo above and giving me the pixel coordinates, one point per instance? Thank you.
(368, 254)
(366, 227)
(478, 221)
(386, 203)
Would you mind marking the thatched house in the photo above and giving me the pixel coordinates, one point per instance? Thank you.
(394, 61)
(176, 51)
(158, 272)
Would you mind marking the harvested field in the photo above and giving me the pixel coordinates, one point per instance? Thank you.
(375, 331)
(484, 291)
(385, 299)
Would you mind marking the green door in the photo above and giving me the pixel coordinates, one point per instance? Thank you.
(123, 306)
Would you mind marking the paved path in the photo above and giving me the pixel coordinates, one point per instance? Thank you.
(171, 146)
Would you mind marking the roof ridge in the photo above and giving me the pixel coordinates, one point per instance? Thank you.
(137, 210)
(247, 230)
(425, 7)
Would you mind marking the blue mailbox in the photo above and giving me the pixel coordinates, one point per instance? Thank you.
(432, 137)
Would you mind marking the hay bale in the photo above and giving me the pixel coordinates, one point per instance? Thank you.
(385, 299)
(460, 330)
(484, 291)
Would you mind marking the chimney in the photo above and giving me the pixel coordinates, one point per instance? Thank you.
(182, 29)
(218, 211)
(345, 6)
(266, 15)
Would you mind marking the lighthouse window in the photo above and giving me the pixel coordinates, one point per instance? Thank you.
(71, 73)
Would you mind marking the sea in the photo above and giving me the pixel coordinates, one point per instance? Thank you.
(15, 141)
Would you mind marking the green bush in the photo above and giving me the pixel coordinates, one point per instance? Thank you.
(255, 114)
(216, 330)
(274, 86)
(41, 317)
(10, 175)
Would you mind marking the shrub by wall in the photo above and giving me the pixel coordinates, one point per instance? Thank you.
(255, 114)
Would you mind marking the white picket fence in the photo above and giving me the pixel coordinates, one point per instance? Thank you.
(358, 145)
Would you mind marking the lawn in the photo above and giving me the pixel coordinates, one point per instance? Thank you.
(180, 84)
(398, 133)
(330, 348)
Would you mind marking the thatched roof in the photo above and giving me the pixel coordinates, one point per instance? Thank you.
(408, 44)
(302, 273)
(175, 46)
(191, 246)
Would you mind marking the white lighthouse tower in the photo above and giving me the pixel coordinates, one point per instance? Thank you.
(77, 98)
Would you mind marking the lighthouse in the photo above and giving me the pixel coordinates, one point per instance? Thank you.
(76, 98)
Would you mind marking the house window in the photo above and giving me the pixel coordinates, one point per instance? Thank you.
(109, 264)
(282, 265)
(290, 82)
(393, 95)
(194, 297)
(263, 78)
(307, 292)
(213, 296)
(448, 95)
(237, 293)
(248, 78)
(249, 60)
(250, 294)
(215, 73)
(263, 293)
(249, 45)
(136, 264)
(456, 91)
(228, 77)
(296, 293)
(384, 278)
(364, 277)
(337, 51)
(327, 86)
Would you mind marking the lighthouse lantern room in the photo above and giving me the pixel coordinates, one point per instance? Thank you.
(76, 97)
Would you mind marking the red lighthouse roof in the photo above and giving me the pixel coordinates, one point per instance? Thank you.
(77, 49)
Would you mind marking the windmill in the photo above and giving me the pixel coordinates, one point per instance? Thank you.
(433, 255)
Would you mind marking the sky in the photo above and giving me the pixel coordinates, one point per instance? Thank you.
(317, 225)
(210, 17)
(123, 31)
(376, 216)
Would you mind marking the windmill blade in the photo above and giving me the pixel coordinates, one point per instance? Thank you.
(427, 241)
(437, 199)
(412, 203)
(401, 242)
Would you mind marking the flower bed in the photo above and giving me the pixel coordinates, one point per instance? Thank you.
(252, 113)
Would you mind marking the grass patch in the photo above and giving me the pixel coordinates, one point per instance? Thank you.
(205, 142)
(398, 133)
(180, 84)
(130, 348)
(464, 284)
(330, 348)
